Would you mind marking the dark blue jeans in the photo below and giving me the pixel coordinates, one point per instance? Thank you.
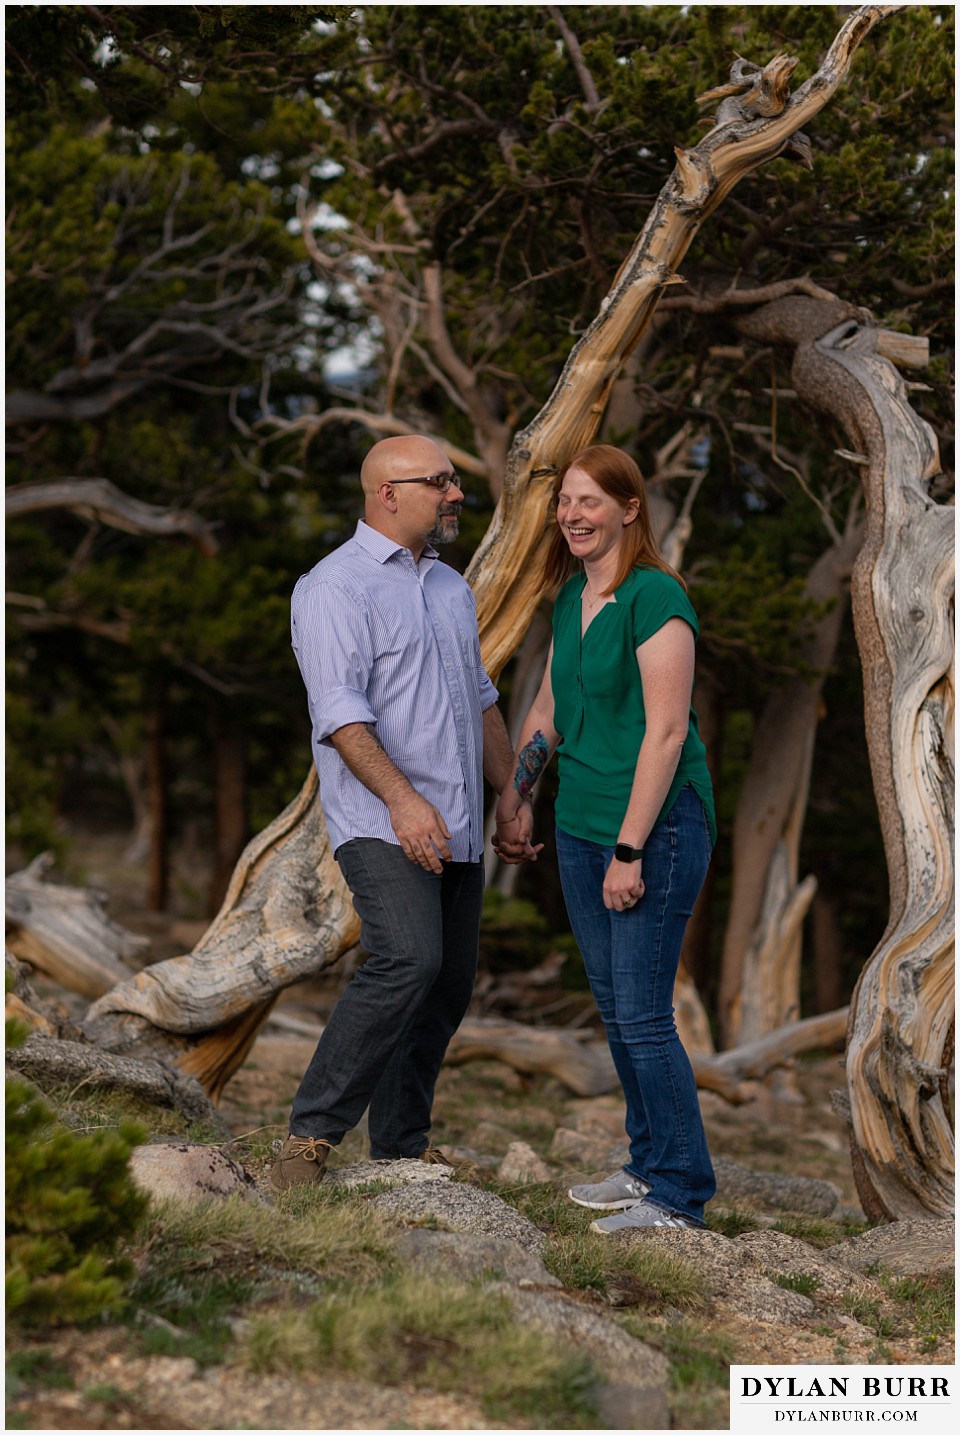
(387, 1036)
(631, 960)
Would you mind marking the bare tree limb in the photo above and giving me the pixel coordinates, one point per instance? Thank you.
(98, 498)
(590, 93)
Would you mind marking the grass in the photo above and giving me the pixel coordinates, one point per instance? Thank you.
(200, 1266)
(85, 1106)
(35, 1369)
(868, 1312)
(733, 1222)
(700, 1357)
(314, 1282)
(437, 1335)
(803, 1285)
(928, 1305)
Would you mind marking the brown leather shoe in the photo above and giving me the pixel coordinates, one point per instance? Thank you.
(435, 1157)
(302, 1160)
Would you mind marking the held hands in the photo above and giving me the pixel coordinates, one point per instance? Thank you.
(511, 841)
(623, 885)
(421, 831)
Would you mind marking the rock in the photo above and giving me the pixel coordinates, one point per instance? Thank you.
(781, 1255)
(634, 1393)
(591, 1154)
(905, 1248)
(469, 1156)
(389, 1173)
(757, 1298)
(732, 1274)
(522, 1166)
(189, 1171)
(464, 1257)
(489, 1136)
(600, 1120)
(460, 1207)
(772, 1191)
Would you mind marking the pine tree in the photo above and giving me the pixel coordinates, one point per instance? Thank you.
(70, 1201)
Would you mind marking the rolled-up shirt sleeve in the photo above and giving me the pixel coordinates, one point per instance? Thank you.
(331, 639)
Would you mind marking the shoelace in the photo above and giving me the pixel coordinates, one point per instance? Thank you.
(306, 1146)
(434, 1157)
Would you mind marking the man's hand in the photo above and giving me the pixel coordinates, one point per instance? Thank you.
(421, 831)
(512, 839)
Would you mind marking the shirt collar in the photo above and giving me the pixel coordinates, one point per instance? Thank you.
(382, 548)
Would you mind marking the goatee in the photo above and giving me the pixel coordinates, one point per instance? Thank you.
(446, 529)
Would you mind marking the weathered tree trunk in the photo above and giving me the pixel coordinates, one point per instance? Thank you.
(287, 914)
(158, 866)
(230, 821)
(900, 1037)
(760, 972)
(826, 954)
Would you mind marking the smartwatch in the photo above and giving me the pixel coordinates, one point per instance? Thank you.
(624, 853)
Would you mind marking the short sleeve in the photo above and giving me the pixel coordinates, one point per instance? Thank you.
(656, 599)
(331, 640)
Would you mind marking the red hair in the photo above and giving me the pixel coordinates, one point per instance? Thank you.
(620, 478)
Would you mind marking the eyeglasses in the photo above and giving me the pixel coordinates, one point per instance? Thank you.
(440, 481)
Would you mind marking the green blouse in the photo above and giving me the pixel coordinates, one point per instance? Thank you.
(598, 704)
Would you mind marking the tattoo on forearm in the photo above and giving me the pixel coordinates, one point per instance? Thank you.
(530, 763)
(371, 728)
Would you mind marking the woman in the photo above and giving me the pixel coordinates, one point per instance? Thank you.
(635, 817)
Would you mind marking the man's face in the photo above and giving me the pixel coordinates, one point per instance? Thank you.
(432, 515)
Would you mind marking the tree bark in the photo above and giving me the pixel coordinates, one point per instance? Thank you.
(158, 867)
(65, 932)
(760, 972)
(900, 1037)
(230, 821)
(287, 914)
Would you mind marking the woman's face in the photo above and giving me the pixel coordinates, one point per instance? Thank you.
(592, 521)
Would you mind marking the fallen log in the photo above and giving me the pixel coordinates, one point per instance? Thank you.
(65, 932)
(756, 1059)
(586, 1067)
(49, 1061)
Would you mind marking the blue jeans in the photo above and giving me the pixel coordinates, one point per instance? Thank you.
(631, 960)
(388, 1034)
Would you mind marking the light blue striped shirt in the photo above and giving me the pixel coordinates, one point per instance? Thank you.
(381, 639)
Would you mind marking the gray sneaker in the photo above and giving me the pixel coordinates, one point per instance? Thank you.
(616, 1193)
(639, 1216)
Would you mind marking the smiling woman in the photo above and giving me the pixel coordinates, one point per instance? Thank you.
(635, 818)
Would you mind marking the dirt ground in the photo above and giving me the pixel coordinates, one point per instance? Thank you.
(790, 1127)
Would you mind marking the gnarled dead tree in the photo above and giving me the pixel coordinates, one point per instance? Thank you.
(900, 1038)
(286, 914)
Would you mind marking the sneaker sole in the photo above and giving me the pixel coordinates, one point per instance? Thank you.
(606, 1205)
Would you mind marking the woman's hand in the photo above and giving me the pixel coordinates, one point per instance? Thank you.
(512, 839)
(623, 885)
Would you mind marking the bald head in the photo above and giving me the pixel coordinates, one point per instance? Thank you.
(409, 456)
(411, 512)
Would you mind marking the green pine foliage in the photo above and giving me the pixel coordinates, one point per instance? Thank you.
(526, 197)
(69, 1202)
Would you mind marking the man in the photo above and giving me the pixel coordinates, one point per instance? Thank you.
(404, 728)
